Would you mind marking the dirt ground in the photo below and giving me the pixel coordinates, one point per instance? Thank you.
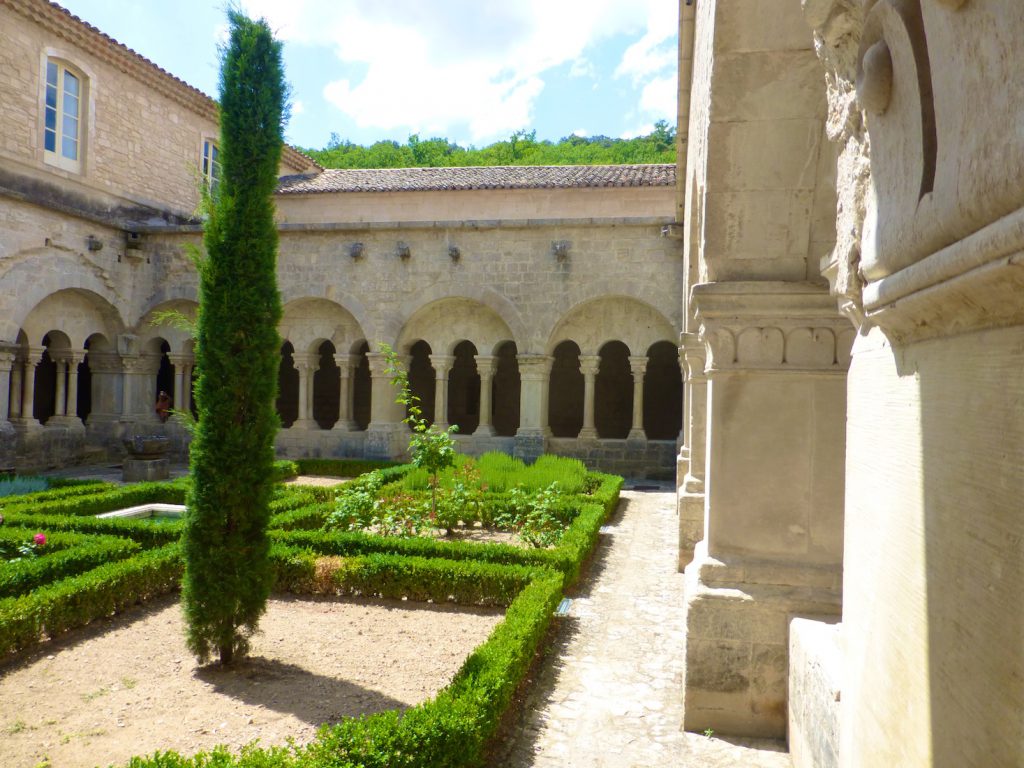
(128, 686)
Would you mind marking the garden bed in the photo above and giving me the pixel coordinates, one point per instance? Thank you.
(128, 686)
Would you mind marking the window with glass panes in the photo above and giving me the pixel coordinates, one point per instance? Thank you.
(211, 164)
(62, 129)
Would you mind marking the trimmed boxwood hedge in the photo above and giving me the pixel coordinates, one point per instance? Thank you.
(63, 555)
(451, 730)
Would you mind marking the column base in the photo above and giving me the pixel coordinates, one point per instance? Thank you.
(345, 426)
(387, 441)
(530, 444)
(304, 424)
(484, 431)
(737, 639)
(636, 436)
(587, 433)
(690, 508)
(22, 424)
(70, 423)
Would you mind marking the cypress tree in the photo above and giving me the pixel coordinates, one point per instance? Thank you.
(227, 568)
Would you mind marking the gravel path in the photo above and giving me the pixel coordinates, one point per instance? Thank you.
(608, 694)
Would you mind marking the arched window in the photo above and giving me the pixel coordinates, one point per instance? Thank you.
(663, 392)
(506, 387)
(422, 382)
(63, 123)
(613, 392)
(287, 387)
(464, 389)
(565, 400)
(326, 387)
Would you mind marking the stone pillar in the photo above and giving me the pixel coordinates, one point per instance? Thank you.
(178, 362)
(442, 366)
(535, 379)
(387, 437)
(28, 387)
(6, 363)
(638, 367)
(74, 359)
(306, 365)
(346, 387)
(485, 366)
(690, 492)
(138, 398)
(589, 365)
(773, 539)
(60, 403)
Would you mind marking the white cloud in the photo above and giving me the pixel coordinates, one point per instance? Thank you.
(640, 130)
(650, 63)
(581, 132)
(659, 97)
(297, 107)
(452, 65)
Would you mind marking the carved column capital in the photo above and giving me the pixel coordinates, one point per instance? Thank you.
(638, 366)
(442, 364)
(534, 367)
(486, 365)
(589, 364)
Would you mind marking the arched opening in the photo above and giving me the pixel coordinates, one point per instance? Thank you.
(565, 399)
(326, 387)
(505, 388)
(287, 387)
(45, 393)
(663, 392)
(613, 392)
(165, 373)
(421, 378)
(84, 405)
(361, 388)
(464, 389)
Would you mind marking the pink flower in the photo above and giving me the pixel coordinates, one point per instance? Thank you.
(39, 539)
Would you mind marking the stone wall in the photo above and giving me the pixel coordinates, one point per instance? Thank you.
(815, 691)
(929, 269)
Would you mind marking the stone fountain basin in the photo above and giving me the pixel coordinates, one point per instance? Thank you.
(147, 510)
(146, 446)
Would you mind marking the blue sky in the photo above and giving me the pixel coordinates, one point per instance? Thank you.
(473, 71)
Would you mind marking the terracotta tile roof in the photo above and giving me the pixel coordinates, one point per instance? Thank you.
(487, 177)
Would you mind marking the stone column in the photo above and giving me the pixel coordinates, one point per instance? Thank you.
(138, 397)
(74, 359)
(60, 404)
(6, 363)
(17, 371)
(442, 366)
(386, 434)
(28, 387)
(638, 367)
(690, 491)
(485, 366)
(345, 365)
(535, 378)
(178, 363)
(306, 365)
(588, 367)
(773, 508)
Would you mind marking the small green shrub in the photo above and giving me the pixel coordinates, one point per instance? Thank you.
(63, 555)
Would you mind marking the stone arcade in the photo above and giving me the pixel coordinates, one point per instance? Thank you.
(836, 261)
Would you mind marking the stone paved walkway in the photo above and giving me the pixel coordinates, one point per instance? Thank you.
(608, 694)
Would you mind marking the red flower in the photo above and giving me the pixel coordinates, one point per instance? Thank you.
(39, 539)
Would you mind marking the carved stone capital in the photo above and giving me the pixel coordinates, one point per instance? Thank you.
(442, 364)
(486, 365)
(534, 367)
(638, 366)
(589, 364)
(771, 326)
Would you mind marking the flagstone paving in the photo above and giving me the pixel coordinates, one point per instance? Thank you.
(608, 694)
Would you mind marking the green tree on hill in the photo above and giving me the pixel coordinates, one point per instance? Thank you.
(227, 568)
(521, 148)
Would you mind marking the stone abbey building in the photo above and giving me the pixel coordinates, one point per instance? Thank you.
(835, 260)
